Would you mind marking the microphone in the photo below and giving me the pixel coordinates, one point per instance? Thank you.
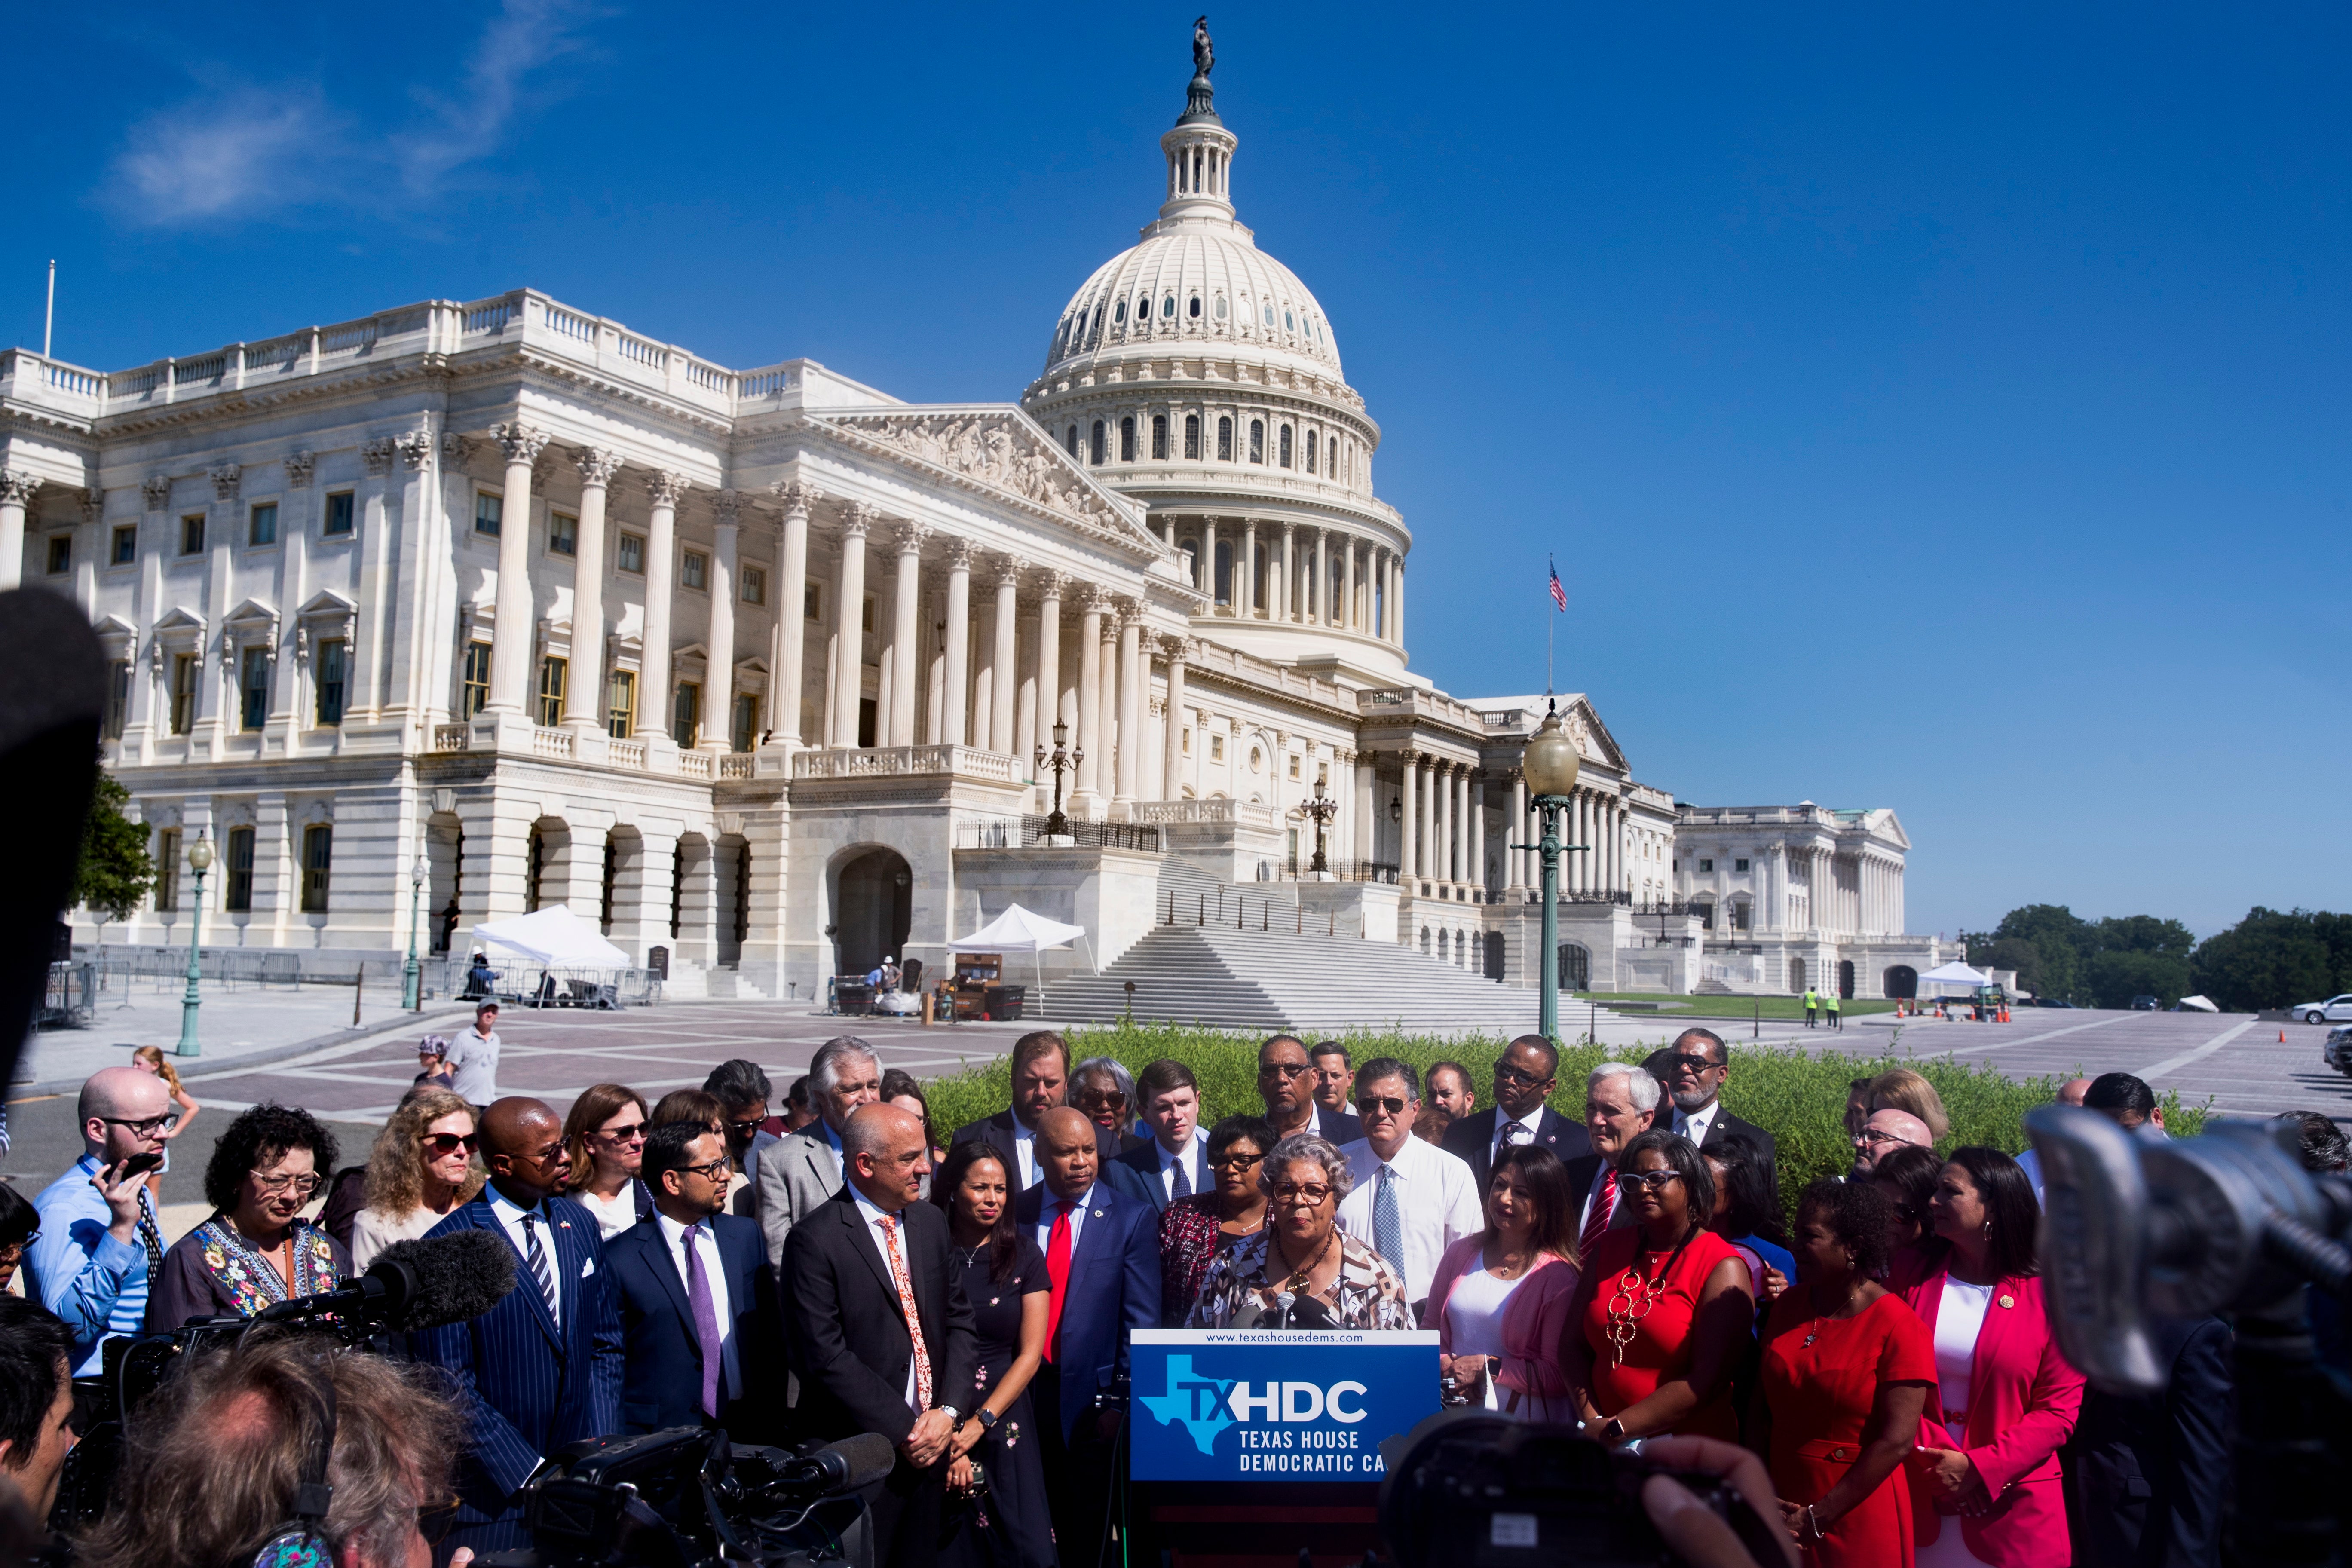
(851, 1463)
(1285, 1300)
(428, 1283)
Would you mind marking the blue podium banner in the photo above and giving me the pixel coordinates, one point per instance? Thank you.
(1227, 1405)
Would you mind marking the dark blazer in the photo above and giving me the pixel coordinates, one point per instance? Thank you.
(850, 1346)
(997, 1132)
(1722, 1126)
(1113, 1287)
(1473, 1138)
(528, 1387)
(1582, 1171)
(2153, 1470)
(1337, 1127)
(1143, 1162)
(663, 1386)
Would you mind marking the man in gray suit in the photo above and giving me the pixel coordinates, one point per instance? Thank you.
(803, 1169)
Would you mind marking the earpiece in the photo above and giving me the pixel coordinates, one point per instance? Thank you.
(301, 1542)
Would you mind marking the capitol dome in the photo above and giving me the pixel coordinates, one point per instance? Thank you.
(1196, 280)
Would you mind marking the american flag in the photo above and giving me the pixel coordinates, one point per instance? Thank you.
(1559, 594)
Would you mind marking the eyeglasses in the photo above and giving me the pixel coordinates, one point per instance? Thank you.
(1874, 1135)
(1283, 1069)
(741, 1129)
(1368, 1103)
(547, 1157)
(146, 1126)
(447, 1144)
(1693, 1064)
(718, 1170)
(12, 1248)
(1506, 1073)
(634, 1133)
(1652, 1180)
(302, 1186)
(1229, 1161)
(1310, 1194)
(1101, 1099)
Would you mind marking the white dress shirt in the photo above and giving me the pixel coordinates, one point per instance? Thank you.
(1049, 1209)
(1693, 1125)
(1024, 1150)
(730, 1366)
(1618, 1211)
(1532, 1122)
(1195, 1160)
(1437, 1205)
(833, 1141)
(510, 1218)
(873, 1216)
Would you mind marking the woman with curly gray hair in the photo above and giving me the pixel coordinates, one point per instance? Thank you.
(1301, 1272)
(256, 1250)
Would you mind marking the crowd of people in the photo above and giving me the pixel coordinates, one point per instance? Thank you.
(829, 1263)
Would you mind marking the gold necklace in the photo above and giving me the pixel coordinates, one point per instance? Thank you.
(1633, 1300)
(1296, 1283)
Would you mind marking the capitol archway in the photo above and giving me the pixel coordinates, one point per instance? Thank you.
(873, 908)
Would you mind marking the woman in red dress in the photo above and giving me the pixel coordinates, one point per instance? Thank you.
(1847, 1367)
(1663, 1312)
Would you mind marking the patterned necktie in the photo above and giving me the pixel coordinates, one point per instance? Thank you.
(907, 1305)
(706, 1320)
(1596, 1224)
(1388, 1224)
(536, 1256)
(1184, 1174)
(1515, 1133)
(151, 1239)
(1057, 1270)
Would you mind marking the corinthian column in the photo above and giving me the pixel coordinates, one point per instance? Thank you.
(1246, 572)
(959, 638)
(1046, 709)
(1090, 609)
(1004, 661)
(849, 624)
(1319, 595)
(1349, 615)
(15, 494)
(516, 622)
(584, 694)
(1474, 791)
(1171, 751)
(718, 682)
(787, 662)
(1279, 586)
(1130, 700)
(1515, 860)
(906, 621)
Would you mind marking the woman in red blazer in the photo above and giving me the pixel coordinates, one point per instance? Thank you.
(2005, 1401)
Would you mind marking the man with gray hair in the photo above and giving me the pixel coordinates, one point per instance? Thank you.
(1618, 1099)
(1410, 1199)
(805, 1168)
(99, 1248)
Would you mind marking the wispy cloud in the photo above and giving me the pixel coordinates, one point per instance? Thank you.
(239, 154)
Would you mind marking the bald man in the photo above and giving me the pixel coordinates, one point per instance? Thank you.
(99, 1250)
(881, 1331)
(1886, 1131)
(2073, 1091)
(544, 1367)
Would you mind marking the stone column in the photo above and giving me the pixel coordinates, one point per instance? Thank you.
(1514, 832)
(718, 679)
(906, 622)
(1319, 600)
(1246, 572)
(1171, 765)
(787, 675)
(1350, 616)
(1209, 561)
(1046, 704)
(1398, 590)
(1477, 785)
(1427, 847)
(1278, 581)
(1089, 737)
(517, 620)
(954, 676)
(1004, 660)
(661, 577)
(849, 624)
(1131, 670)
(1359, 764)
(1408, 823)
(1450, 867)
(583, 699)
(17, 490)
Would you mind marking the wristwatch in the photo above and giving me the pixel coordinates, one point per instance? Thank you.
(986, 1417)
(954, 1413)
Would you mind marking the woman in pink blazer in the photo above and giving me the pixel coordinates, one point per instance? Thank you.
(2005, 1400)
(1500, 1301)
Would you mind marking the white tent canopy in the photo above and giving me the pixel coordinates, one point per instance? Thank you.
(554, 937)
(1953, 976)
(2197, 1004)
(1024, 931)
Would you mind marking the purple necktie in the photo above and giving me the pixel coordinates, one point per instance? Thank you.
(706, 1320)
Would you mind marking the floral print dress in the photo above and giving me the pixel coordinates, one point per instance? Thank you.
(1237, 1293)
(215, 1272)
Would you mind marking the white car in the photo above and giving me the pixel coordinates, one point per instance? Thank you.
(2335, 1010)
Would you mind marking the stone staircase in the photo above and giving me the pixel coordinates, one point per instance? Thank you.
(692, 981)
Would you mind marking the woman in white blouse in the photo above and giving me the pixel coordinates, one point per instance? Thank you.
(605, 1134)
(1501, 1299)
(422, 1167)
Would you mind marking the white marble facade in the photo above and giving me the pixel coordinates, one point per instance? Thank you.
(754, 665)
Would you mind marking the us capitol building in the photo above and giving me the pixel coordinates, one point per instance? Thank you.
(756, 666)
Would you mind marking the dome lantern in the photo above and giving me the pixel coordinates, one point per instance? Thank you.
(1200, 150)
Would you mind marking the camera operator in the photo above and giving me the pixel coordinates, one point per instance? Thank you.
(217, 1468)
(37, 1401)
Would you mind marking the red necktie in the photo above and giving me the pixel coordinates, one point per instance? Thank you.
(1596, 1224)
(1057, 1270)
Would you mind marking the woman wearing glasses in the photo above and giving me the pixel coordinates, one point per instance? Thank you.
(1195, 1230)
(1664, 1308)
(256, 1250)
(1301, 1272)
(605, 1134)
(421, 1169)
(1104, 1090)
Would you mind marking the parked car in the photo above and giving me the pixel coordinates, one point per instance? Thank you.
(2052, 1002)
(2335, 1010)
(2143, 1004)
(2337, 1051)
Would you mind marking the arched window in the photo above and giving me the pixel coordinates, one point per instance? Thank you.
(1289, 324)
(1167, 308)
(1310, 451)
(1195, 311)
(1220, 307)
(1285, 454)
(1143, 309)
(1120, 315)
(1095, 447)
(1127, 440)
(1257, 441)
(1192, 436)
(1160, 435)
(1224, 438)
(1331, 458)
(1269, 312)
(1071, 441)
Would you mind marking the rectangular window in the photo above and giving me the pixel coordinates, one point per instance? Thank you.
(562, 534)
(331, 654)
(261, 524)
(183, 692)
(341, 514)
(192, 535)
(685, 715)
(1225, 439)
(630, 556)
(60, 554)
(126, 545)
(694, 570)
(1095, 444)
(755, 585)
(167, 869)
(1286, 446)
(1217, 748)
(812, 605)
(489, 514)
(1192, 436)
(1740, 917)
(1160, 435)
(318, 855)
(473, 694)
(1707, 865)
(253, 686)
(1127, 440)
(740, 733)
(1294, 767)
(236, 887)
(553, 674)
(1188, 741)
(621, 704)
(1257, 441)
(1740, 865)
(118, 698)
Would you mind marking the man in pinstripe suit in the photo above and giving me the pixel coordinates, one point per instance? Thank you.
(544, 1367)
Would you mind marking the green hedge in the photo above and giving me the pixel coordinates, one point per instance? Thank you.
(1798, 1096)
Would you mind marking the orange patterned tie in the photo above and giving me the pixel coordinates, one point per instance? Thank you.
(906, 1306)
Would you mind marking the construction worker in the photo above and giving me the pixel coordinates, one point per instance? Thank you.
(1830, 1001)
(1812, 1007)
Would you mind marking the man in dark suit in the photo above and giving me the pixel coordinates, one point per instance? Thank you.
(1525, 1074)
(1102, 1256)
(1041, 1081)
(1174, 1162)
(1620, 1102)
(1285, 1081)
(1697, 1065)
(696, 1306)
(2152, 1470)
(880, 1332)
(544, 1367)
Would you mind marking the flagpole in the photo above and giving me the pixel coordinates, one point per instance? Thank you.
(1554, 565)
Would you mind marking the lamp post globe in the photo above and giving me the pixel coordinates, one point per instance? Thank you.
(1549, 763)
(200, 860)
(412, 993)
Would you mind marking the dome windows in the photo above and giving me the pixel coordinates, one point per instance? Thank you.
(1224, 437)
(1258, 441)
(1159, 436)
(1195, 312)
(1288, 324)
(1120, 315)
(1167, 309)
(1269, 312)
(1192, 436)
(1143, 309)
(1095, 447)
(1127, 440)
(1070, 443)
(1220, 307)
(1283, 448)
(1310, 451)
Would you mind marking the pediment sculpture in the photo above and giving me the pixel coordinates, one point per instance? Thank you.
(998, 452)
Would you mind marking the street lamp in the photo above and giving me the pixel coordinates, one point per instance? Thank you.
(1550, 764)
(412, 993)
(200, 860)
(1320, 809)
(1062, 758)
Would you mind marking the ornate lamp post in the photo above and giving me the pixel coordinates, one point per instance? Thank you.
(1063, 758)
(1319, 808)
(412, 993)
(1550, 764)
(200, 860)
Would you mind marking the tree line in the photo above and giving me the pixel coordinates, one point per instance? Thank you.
(2272, 957)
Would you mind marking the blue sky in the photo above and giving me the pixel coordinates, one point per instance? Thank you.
(1942, 410)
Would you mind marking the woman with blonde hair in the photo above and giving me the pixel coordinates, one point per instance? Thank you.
(605, 1134)
(151, 1059)
(1900, 1089)
(422, 1166)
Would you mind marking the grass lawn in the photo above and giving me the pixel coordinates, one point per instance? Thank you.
(1781, 1008)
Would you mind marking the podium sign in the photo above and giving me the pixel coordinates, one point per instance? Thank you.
(1231, 1405)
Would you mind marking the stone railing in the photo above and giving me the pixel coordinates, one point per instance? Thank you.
(898, 762)
(452, 737)
(628, 754)
(553, 743)
(696, 764)
(736, 765)
(1240, 813)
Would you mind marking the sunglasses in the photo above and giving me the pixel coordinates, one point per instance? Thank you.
(1507, 1074)
(1653, 1179)
(633, 1133)
(1310, 1194)
(443, 1143)
(1283, 1069)
(741, 1129)
(1232, 1161)
(1693, 1064)
(1368, 1103)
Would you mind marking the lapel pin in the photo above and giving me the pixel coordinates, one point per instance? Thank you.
(2009, 1301)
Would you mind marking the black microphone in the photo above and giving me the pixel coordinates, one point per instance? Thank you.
(844, 1466)
(427, 1283)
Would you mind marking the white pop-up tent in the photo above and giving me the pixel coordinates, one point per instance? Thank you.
(553, 937)
(1022, 931)
(1954, 974)
(2197, 1004)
